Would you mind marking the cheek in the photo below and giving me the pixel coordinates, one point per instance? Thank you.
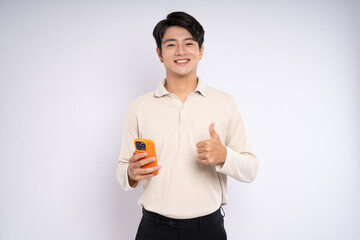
(196, 54)
(166, 52)
(167, 58)
(167, 63)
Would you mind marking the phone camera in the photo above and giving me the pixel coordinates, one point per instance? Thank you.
(140, 146)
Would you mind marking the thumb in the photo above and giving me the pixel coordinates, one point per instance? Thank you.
(212, 131)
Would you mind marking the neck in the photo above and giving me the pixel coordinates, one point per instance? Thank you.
(181, 87)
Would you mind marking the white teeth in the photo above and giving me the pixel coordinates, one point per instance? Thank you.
(181, 61)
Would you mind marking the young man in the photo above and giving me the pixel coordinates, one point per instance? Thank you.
(199, 136)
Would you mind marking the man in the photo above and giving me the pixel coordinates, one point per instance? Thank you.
(199, 137)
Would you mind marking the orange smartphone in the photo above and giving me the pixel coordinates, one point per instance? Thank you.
(148, 146)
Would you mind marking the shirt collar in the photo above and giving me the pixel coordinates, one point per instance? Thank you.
(161, 90)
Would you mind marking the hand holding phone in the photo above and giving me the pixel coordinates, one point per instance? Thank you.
(143, 164)
(147, 146)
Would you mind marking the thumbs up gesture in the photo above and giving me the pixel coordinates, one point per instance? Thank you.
(211, 151)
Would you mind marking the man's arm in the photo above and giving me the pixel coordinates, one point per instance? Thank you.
(241, 163)
(129, 172)
(130, 132)
(235, 158)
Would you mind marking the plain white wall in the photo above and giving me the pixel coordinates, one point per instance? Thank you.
(68, 70)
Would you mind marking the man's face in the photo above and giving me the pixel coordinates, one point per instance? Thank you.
(180, 53)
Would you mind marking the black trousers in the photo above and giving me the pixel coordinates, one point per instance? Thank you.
(157, 227)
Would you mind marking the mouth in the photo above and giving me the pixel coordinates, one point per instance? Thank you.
(180, 61)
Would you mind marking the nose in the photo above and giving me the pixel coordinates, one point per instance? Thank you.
(180, 50)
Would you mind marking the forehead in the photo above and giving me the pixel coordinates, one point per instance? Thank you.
(176, 32)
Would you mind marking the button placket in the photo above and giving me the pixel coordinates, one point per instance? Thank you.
(182, 113)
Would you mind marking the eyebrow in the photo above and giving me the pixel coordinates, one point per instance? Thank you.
(174, 40)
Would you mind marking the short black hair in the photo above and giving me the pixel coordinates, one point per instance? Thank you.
(180, 19)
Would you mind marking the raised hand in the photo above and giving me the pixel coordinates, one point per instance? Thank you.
(211, 151)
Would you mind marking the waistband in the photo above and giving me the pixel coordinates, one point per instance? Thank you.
(198, 222)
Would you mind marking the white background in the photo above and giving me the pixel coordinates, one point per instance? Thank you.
(69, 69)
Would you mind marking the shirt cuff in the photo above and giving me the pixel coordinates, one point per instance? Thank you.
(242, 167)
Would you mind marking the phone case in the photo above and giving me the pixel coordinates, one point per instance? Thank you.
(149, 149)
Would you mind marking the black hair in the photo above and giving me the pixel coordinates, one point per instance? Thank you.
(180, 19)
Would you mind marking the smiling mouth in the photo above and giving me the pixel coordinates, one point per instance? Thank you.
(182, 60)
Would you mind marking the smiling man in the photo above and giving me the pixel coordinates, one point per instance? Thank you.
(199, 136)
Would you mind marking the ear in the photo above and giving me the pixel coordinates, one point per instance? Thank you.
(201, 51)
(159, 54)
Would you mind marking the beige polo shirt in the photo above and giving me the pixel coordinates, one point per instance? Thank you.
(184, 187)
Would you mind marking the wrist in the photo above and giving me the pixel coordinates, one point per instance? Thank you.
(224, 155)
(132, 182)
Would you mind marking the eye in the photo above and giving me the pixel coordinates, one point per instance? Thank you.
(189, 44)
(170, 45)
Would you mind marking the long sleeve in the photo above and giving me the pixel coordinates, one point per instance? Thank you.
(240, 163)
(130, 133)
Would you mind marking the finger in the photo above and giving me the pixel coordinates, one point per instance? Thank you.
(138, 156)
(153, 169)
(201, 144)
(145, 161)
(202, 156)
(205, 162)
(201, 150)
(142, 177)
(139, 163)
(144, 171)
(212, 131)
